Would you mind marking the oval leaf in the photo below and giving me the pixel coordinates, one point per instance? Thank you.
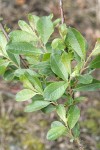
(45, 28)
(61, 111)
(89, 87)
(36, 105)
(58, 67)
(55, 90)
(73, 116)
(55, 132)
(77, 42)
(85, 79)
(95, 63)
(25, 94)
(22, 48)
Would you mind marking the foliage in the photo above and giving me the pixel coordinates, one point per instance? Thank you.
(44, 66)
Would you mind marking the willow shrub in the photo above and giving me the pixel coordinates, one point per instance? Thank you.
(50, 69)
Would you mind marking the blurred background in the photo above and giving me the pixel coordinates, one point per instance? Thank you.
(23, 131)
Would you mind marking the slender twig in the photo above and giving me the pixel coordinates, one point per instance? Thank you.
(61, 11)
(79, 144)
(2, 29)
(23, 62)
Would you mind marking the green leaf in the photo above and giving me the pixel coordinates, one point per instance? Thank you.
(26, 82)
(3, 66)
(45, 28)
(55, 132)
(36, 105)
(66, 59)
(3, 43)
(58, 67)
(61, 111)
(89, 87)
(22, 48)
(44, 68)
(25, 94)
(96, 50)
(73, 116)
(21, 36)
(55, 90)
(9, 75)
(49, 109)
(85, 79)
(37, 97)
(56, 124)
(76, 130)
(58, 44)
(33, 20)
(14, 58)
(95, 63)
(77, 42)
(63, 30)
(25, 27)
(56, 22)
(22, 71)
(36, 82)
(79, 100)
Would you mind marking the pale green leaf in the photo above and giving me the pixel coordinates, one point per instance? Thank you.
(96, 50)
(22, 48)
(33, 20)
(26, 82)
(58, 44)
(56, 124)
(55, 90)
(21, 36)
(25, 27)
(3, 43)
(45, 28)
(66, 59)
(25, 94)
(61, 111)
(73, 116)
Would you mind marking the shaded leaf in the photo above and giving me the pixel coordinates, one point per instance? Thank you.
(85, 79)
(58, 67)
(77, 42)
(36, 105)
(73, 116)
(89, 87)
(95, 63)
